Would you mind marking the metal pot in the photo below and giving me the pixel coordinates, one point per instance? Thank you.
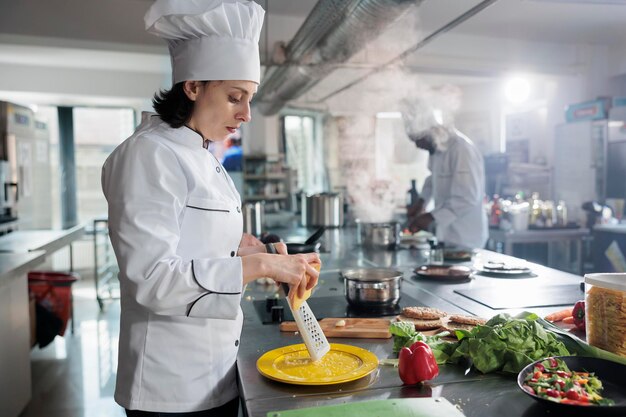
(325, 209)
(253, 217)
(379, 235)
(372, 287)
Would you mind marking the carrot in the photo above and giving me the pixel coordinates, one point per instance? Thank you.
(559, 315)
(568, 320)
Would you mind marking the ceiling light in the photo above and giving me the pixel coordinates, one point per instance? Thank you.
(517, 90)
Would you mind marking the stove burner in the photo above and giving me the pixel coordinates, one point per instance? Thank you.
(323, 307)
(372, 312)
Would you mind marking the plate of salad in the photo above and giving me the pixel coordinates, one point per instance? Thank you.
(573, 382)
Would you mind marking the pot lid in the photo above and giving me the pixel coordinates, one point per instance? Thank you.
(371, 274)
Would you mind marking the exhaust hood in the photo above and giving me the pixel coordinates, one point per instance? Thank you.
(332, 33)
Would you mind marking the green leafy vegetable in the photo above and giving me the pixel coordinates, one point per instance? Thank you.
(506, 344)
(573, 343)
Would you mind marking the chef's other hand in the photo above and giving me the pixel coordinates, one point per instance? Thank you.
(297, 271)
(421, 222)
(415, 209)
(280, 247)
(250, 245)
(294, 270)
(249, 240)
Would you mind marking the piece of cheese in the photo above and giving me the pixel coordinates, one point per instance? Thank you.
(296, 302)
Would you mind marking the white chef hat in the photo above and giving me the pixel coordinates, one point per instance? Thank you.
(209, 39)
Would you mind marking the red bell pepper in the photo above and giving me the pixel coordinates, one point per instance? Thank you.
(417, 364)
(579, 314)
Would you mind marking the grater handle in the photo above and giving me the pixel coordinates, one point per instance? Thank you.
(285, 288)
(269, 247)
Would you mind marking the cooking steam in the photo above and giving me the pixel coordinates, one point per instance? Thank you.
(376, 159)
(378, 188)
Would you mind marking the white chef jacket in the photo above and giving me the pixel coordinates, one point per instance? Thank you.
(175, 224)
(457, 186)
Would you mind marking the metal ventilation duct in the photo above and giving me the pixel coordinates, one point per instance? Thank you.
(332, 33)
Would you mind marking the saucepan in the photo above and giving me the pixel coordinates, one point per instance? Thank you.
(379, 235)
(372, 287)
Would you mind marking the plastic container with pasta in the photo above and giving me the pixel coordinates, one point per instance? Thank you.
(605, 311)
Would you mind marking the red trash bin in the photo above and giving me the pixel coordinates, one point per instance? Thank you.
(53, 291)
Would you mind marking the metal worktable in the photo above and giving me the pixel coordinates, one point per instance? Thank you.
(49, 241)
(477, 394)
(548, 235)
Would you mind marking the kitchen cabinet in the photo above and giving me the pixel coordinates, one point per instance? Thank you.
(15, 377)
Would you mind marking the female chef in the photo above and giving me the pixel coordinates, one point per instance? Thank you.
(175, 219)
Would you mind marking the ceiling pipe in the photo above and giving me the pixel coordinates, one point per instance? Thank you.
(445, 28)
(332, 33)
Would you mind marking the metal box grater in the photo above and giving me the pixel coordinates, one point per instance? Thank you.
(308, 326)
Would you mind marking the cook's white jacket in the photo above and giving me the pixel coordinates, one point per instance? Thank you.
(457, 186)
(175, 224)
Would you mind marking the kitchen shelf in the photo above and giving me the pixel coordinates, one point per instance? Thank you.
(258, 197)
(265, 177)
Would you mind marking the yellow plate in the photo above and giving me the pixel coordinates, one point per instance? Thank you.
(293, 365)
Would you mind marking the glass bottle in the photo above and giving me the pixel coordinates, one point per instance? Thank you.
(412, 195)
(536, 211)
(436, 253)
(496, 212)
(561, 214)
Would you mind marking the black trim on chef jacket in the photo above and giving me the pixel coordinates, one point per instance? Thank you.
(193, 273)
(206, 209)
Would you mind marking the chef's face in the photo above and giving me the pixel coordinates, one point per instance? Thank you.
(424, 140)
(220, 107)
(419, 124)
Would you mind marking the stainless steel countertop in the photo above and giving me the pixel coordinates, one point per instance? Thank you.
(474, 393)
(22, 241)
(17, 264)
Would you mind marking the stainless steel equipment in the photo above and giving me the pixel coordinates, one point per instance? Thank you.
(324, 209)
(379, 235)
(372, 287)
(25, 175)
(254, 217)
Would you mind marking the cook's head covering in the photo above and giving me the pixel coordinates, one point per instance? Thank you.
(209, 39)
(419, 116)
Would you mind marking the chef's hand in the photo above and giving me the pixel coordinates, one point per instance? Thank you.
(301, 272)
(420, 222)
(415, 209)
(250, 245)
(295, 270)
(249, 240)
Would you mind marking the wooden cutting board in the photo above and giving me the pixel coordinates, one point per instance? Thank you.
(354, 328)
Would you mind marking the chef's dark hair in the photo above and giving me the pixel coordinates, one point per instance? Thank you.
(173, 105)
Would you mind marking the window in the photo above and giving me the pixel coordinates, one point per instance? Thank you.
(303, 149)
(97, 131)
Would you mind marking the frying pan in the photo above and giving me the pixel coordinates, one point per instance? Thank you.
(612, 375)
(309, 245)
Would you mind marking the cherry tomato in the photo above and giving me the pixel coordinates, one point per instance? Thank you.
(552, 393)
(572, 394)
